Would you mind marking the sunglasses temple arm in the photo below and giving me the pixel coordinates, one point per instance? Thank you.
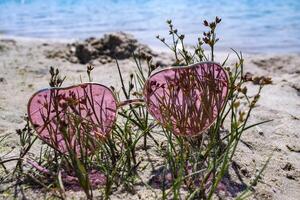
(131, 101)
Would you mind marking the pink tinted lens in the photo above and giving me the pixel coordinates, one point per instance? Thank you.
(73, 118)
(187, 100)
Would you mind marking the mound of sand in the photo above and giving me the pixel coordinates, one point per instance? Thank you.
(111, 46)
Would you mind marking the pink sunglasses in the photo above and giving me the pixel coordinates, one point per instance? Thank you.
(184, 100)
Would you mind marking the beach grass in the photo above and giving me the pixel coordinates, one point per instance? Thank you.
(189, 167)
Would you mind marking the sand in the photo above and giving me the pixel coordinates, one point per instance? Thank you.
(24, 67)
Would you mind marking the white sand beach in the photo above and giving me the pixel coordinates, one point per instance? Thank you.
(24, 66)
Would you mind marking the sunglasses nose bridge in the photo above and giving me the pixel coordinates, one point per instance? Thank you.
(130, 101)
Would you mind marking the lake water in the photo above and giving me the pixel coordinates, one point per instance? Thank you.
(247, 25)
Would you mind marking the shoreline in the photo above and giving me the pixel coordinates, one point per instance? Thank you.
(158, 47)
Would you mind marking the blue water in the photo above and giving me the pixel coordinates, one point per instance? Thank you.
(247, 25)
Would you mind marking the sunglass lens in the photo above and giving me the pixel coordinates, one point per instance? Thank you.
(187, 100)
(74, 117)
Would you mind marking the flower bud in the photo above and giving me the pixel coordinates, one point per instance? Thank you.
(218, 20)
(205, 23)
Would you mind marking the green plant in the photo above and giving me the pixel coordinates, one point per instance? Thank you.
(192, 168)
(200, 163)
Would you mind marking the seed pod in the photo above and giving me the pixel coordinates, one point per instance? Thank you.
(244, 90)
(236, 104)
(218, 20)
(205, 23)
